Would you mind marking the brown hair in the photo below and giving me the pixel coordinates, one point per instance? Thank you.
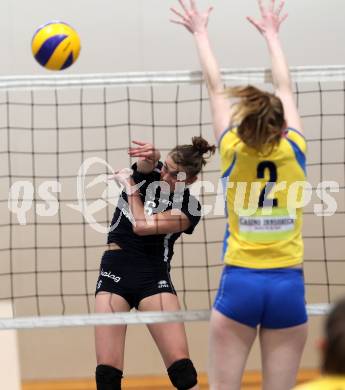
(260, 116)
(334, 354)
(191, 157)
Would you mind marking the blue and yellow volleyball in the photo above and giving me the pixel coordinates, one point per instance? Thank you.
(55, 45)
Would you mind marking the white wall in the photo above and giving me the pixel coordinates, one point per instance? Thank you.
(135, 35)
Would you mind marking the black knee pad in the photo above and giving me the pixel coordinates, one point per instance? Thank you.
(183, 374)
(108, 378)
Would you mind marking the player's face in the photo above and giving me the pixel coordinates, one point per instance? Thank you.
(171, 173)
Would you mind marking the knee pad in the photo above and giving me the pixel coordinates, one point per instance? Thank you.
(183, 374)
(108, 378)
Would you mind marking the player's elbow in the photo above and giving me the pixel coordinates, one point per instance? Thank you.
(142, 229)
(138, 229)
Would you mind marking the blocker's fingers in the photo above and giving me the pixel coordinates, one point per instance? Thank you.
(210, 9)
(176, 12)
(280, 7)
(178, 22)
(261, 7)
(183, 6)
(193, 5)
(272, 5)
(283, 18)
(254, 22)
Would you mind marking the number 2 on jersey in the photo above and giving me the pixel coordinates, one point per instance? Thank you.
(272, 168)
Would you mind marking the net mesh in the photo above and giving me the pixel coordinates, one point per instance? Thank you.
(60, 137)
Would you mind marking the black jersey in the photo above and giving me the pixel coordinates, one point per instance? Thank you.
(155, 248)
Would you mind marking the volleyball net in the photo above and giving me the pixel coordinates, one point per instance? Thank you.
(60, 136)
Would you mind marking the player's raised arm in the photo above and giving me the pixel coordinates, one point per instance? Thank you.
(196, 23)
(268, 25)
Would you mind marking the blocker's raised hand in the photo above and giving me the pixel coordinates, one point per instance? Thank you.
(191, 18)
(271, 18)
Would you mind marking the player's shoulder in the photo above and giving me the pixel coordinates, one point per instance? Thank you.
(154, 175)
(228, 136)
(296, 138)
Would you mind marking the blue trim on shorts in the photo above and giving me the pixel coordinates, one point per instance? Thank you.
(272, 299)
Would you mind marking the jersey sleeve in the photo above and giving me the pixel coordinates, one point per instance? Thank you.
(148, 177)
(297, 138)
(226, 146)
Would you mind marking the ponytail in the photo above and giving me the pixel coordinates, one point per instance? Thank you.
(193, 157)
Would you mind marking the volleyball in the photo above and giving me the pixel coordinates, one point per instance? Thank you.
(55, 45)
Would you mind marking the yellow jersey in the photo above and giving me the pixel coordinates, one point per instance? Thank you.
(264, 199)
(324, 383)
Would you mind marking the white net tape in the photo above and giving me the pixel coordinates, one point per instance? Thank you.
(260, 75)
(122, 318)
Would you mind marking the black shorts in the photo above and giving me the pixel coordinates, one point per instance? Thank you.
(131, 278)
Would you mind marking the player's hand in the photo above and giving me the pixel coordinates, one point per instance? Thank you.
(144, 152)
(123, 177)
(271, 18)
(189, 17)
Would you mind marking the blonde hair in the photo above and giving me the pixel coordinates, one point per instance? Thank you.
(260, 117)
